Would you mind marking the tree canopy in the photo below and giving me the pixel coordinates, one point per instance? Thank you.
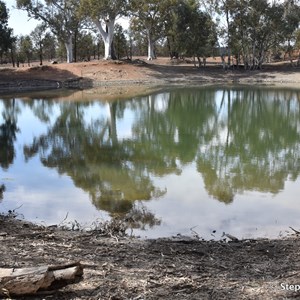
(6, 38)
(247, 32)
(103, 14)
(60, 16)
(192, 31)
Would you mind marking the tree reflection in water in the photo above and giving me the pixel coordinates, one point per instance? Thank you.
(255, 145)
(239, 139)
(96, 160)
(2, 190)
(8, 130)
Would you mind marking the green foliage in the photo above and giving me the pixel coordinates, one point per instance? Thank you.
(249, 30)
(85, 46)
(149, 18)
(3, 15)
(24, 49)
(37, 37)
(61, 51)
(61, 17)
(6, 38)
(255, 27)
(103, 9)
(120, 42)
(103, 14)
(49, 46)
(297, 38)
(191, 31)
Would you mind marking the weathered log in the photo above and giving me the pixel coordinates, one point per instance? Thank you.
(30, 280)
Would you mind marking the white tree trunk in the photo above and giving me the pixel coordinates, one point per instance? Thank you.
(151, 54)
(69, 48)
(106, 36)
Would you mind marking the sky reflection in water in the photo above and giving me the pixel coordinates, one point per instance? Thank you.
(179, 161)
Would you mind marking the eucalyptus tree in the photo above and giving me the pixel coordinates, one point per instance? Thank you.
(290, 27)
(252, 28)
(297, 44)
(38, 36)
(25, 48)
(149, 17)
(120, 42)
(60, 16)
(259, 26)
(220, 10)
(138, 42)
(192, 31)
(85, 46)
(103, 14)
(6, 37)
(49, 46)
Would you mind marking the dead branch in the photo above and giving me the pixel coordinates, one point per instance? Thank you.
(31, 280)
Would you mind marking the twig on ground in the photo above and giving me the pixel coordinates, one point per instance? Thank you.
(296, 231)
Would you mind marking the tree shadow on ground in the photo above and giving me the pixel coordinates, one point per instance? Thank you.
(39, 72)
(39, 78)
(215, 73)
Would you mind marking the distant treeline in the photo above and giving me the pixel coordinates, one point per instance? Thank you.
(247, 32)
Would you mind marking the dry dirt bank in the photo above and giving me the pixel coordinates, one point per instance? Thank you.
(178, 268)
(138, 72)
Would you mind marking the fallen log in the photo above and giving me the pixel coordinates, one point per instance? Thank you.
(31, 280)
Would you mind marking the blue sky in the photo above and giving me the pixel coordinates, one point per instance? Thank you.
(18, 19)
